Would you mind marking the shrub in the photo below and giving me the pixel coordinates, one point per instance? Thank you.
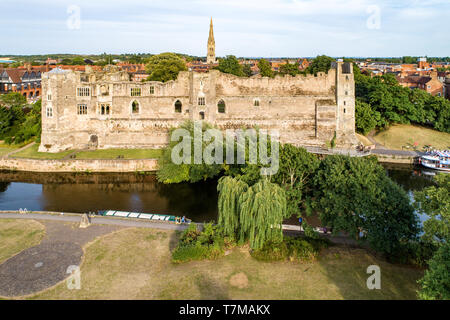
(199, 245)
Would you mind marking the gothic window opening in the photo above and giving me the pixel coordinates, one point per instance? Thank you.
(202, 115)
(256, 102)
(221, 106)
(135, 107)
(201, 101)
(178, 106)
(105, 109)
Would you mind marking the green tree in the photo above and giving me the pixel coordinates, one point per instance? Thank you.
(320, 64)
(262, 211)
(290, 68)
(170, 172)
(434, 201)
(297, 168)
(253, 214)
(164, 67)
(230, 64)
(230, 189)
(12, 99)
(355, 195)
(5, 120)
(366, 118)
(435, 285)
(265, 68)
(247, 70)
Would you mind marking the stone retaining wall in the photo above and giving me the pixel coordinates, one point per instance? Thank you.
(78, 165)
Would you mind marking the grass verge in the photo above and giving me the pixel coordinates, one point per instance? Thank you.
(398, 136)
(17, 235)
(136, 264)
(126, 153)
(32, 153)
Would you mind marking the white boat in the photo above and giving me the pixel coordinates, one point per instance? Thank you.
(437, 160)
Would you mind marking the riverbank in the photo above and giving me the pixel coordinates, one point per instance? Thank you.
(78, 165)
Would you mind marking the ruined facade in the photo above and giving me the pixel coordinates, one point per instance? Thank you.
(106, 110)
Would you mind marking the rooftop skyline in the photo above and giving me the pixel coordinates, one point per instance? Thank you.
(269, 28)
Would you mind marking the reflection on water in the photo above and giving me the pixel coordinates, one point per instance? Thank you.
(84, 192)
(91, 192)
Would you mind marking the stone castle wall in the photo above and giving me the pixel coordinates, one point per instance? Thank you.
(307, 110)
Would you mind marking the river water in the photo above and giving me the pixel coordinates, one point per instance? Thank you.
(84, 192)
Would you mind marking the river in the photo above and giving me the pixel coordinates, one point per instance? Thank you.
(84, 192)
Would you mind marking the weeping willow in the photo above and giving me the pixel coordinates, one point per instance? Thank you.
(229, 192)
(262, 210)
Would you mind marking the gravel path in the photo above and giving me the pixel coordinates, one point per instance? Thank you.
(46, 264)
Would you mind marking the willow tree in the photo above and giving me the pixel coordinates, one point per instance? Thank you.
(230, 190)
(262, 210)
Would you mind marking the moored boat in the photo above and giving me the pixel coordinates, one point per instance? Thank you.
(145, 216)
(437, 160)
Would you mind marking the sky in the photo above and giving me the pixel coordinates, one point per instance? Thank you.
(244, 28)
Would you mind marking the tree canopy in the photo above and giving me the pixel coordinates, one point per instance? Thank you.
(355, 195)
(265, 68)
(164, 67)
(230, 64)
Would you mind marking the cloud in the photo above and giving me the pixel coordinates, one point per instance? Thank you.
(243, 28)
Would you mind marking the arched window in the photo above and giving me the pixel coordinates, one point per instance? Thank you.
(256, 102)
(135, 107)
(178, 106)
(221, 106)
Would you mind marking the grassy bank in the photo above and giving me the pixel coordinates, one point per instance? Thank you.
(136, 264)
(399, 136)
(32, 153)
(126, 153)
(6, 148)
(17, 235)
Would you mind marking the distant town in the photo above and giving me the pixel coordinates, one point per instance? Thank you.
(22, 74)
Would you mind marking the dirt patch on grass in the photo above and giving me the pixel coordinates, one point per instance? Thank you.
(239, 280)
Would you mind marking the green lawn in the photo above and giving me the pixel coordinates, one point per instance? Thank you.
(17, 235)
(32, 153)
(136, 264)
(5, 149)
(398, 136)
(114, 153)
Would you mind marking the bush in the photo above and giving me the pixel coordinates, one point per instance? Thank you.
(200, 245)
(416, 253)
(435, 285)
(300, 249)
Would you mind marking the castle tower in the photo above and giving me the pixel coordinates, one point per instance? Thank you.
(211, 55)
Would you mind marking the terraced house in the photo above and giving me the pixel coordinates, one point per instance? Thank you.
(25, 81)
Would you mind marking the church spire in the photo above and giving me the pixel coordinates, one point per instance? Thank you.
(211, 53)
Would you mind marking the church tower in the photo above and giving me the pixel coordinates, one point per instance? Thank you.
(211, 55)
